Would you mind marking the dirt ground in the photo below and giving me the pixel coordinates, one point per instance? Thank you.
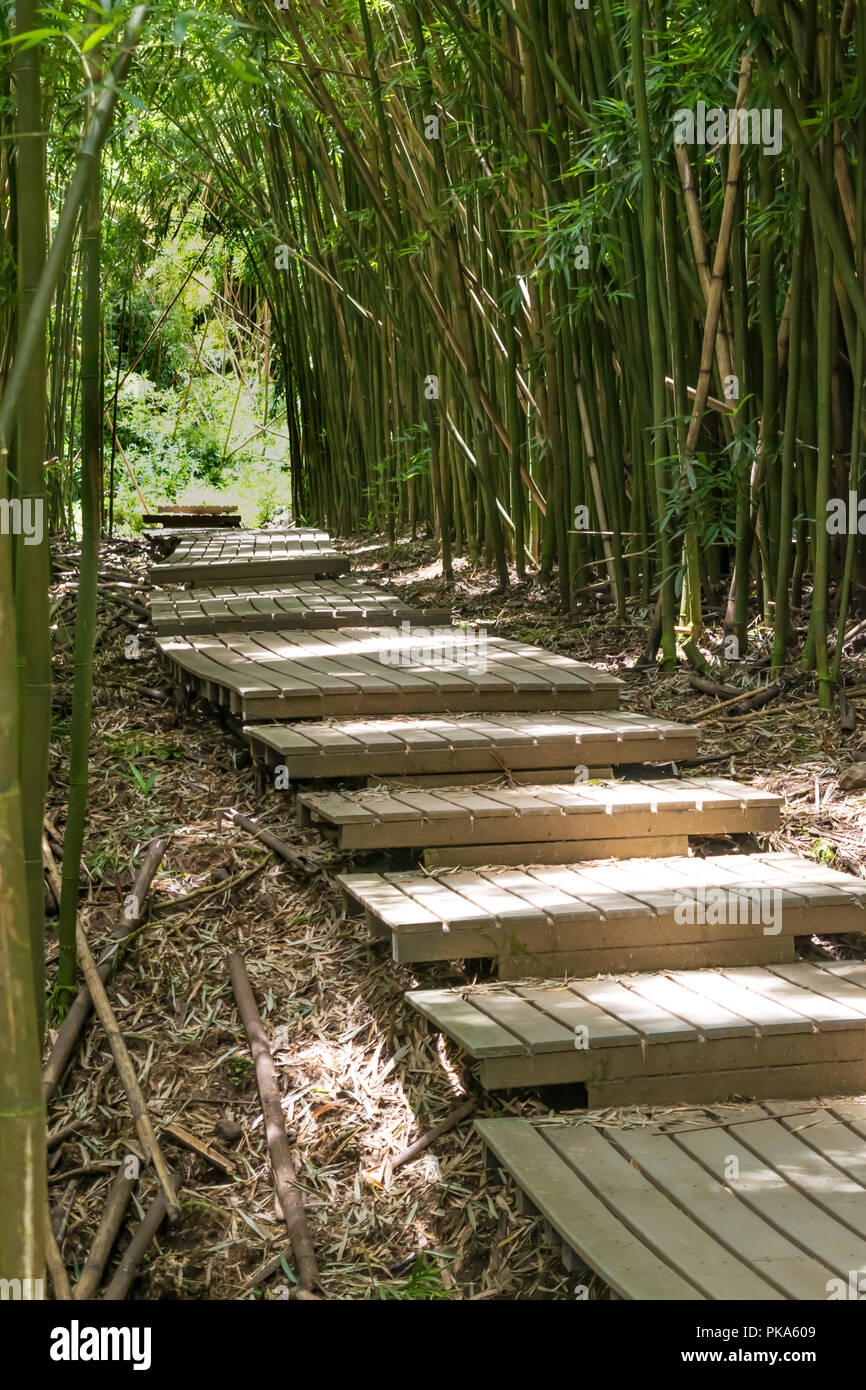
(360, 1073)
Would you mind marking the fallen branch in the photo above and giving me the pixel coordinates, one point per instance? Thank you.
(123, 1061)
(716, 687)
(206, 1151)
(285, 1181)
(756, 698)
(54, 1260)
(57, 1136)
(419, 1145)
(267, 837)
(79, 1011)
(52, 873)
(224, 886)
(103, 1242)
(136, 1250)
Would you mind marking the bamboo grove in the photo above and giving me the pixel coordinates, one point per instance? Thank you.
(511, 303)
(578, 288)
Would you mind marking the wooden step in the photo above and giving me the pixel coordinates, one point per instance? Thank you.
(346, 671)
(438, 748)
(641, 914)
(689, 1037)
(563, 822)
(307, 603)
(745, 1203)
(246, 555)
(164, 539)
(205, 518)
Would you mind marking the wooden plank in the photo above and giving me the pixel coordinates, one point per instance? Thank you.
(771, 1194)
(659, 1223)
(757, 1228)
(471, 1028)
(556, 852)
(666, 1033)
(692, 1069)
(802, 1081)
(712, 1203)
(838, 985)
(519, 961)
(585, 1222)
(227, 555)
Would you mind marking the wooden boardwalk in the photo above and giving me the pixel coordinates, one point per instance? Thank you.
(436, 749)
(285, 674)
(743, 1203)
(246, 555)
(661, 980)
(304, 604)
(635, 915)
(541, 824)
(789, 1030)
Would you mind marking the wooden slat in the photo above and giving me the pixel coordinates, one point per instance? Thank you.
(657, 1221)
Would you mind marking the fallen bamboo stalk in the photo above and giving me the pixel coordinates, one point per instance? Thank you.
(206, 1151)
(285, 1181)
(419, 1145)
(124, 1276)
(123, 1061)
(713, 687)
(54, 1260)
(52, 873)
(103, 1242)
(794, 704)
(57, 1136)
(267, 837)
(226, 885)
(80, 1008)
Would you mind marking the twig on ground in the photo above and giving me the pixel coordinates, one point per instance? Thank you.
(135, 1252)
(267, 837)
(112, 1217)
(285, 1181)
(80, 1009)
(419, 1145)
(54, 1261)
(138, 1105)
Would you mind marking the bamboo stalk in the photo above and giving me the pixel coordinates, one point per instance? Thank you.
(288, 1192)
(126, 1071)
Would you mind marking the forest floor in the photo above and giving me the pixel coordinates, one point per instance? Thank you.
(360, 1073)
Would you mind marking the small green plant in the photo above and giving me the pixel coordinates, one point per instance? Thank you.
(423, 1285)
(239, 1070)
(138, 779)
(824, 853)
